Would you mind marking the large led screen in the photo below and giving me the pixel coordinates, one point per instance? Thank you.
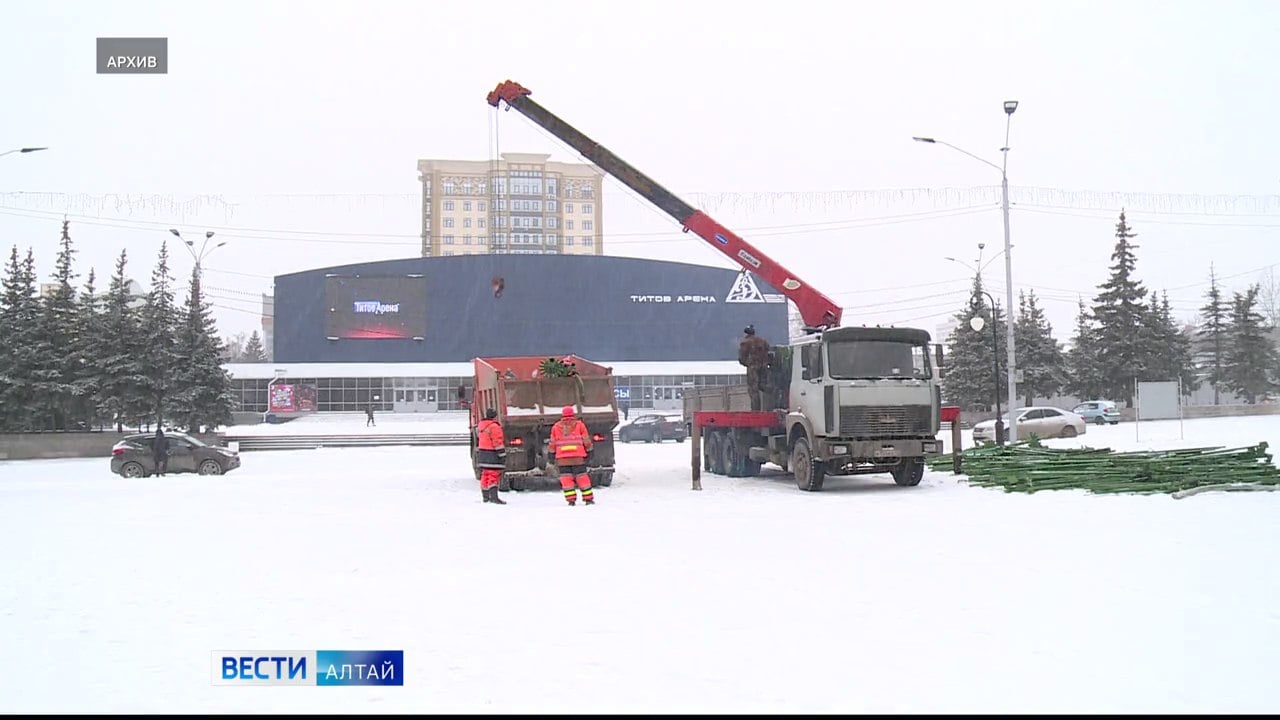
(375, 307)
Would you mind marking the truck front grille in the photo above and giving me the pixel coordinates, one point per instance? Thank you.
(885, 421)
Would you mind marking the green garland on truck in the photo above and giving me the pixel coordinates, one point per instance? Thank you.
(1030, 467)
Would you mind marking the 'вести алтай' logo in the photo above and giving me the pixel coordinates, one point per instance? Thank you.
(308, 667)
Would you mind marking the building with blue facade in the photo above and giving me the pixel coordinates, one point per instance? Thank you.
(400, 334)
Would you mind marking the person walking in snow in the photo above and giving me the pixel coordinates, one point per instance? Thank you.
(368, 414)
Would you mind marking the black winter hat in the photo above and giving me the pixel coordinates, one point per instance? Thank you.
(750, 330)
(490, 414)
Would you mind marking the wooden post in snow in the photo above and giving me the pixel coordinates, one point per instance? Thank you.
(695, 446)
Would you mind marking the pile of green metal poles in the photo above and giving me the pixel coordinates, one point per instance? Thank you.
(1030, 467)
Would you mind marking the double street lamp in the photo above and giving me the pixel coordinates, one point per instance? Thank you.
(1009, 107)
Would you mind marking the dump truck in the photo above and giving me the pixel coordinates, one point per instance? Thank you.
(529, 402)
(843, 400)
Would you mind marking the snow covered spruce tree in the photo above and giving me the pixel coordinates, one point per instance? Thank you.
(88, 354)
(1212, 340)
(202, 394)
(253, 351)
(1039, 354)
(1122, 341)
(19, 322)
(122, 380)
(160, 359)
(970, 381)
(57, 371)
(1170, 355)
(1251, 360)
(1084, 373)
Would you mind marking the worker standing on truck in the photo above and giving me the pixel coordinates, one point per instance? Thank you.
(491, 456)
(753, 353)
(571, 443)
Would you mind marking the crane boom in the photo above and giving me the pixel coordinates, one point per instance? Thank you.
(816, 309)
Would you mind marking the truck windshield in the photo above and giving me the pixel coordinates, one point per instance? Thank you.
(877, 359)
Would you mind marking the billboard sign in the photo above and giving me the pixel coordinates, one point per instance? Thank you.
(291, 398)
(368, 307)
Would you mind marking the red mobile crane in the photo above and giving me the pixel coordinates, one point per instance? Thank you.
(858, 400)
(816, 310)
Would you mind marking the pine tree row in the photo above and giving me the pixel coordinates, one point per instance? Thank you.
(1128, 335)
(85, 360)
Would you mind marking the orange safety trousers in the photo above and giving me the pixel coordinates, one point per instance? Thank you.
(573, 479)
(489, 477)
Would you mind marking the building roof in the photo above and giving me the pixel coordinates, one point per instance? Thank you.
(266, 371)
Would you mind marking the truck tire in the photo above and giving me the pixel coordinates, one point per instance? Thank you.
(602, 478)
(909, 472)
(809, 472)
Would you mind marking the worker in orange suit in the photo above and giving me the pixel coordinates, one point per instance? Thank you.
(572, 443)
(491, 456)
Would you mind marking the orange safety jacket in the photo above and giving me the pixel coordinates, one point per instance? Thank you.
(570, 439)
(490, 443)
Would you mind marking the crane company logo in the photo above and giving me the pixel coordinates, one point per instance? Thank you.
(745, 290)
(375, 307)
(307, 667)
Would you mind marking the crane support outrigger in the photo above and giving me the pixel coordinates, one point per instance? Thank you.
(839, 400)
(817, 311)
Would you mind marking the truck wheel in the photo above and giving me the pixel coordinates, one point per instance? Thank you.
(602, 479)
(809, 472)
(908, 473)
(729, 458)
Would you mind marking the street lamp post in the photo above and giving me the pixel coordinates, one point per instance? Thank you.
(977, 322)
(21, 150)
(1010, 365)
(205, 251)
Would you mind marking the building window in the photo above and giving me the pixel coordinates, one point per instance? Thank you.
(584, 240)
(500, 205)
(466, 206)
(466, 239)
(448, 187)
(588, 192)
(466, 222)
(586, 224)
(568, 224)
(551, 187)
(551, 206)
(551, 239)
(484, 239)
(448, 252)
(552, 222)
(588, 208)
(568, 207)
(448, 205)
(479, 222)
(448, 239)
(448, 222)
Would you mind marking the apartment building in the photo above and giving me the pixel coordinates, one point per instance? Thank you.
(520, 204)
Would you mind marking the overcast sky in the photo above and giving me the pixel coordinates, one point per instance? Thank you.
(292, 129)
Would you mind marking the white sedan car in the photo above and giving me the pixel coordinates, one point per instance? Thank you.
(1045, 422)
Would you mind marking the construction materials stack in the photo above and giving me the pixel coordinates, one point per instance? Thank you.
(1031, 467)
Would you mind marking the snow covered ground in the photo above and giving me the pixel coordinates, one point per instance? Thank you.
(749, 596)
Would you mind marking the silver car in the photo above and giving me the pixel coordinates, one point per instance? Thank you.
(1045, 422)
